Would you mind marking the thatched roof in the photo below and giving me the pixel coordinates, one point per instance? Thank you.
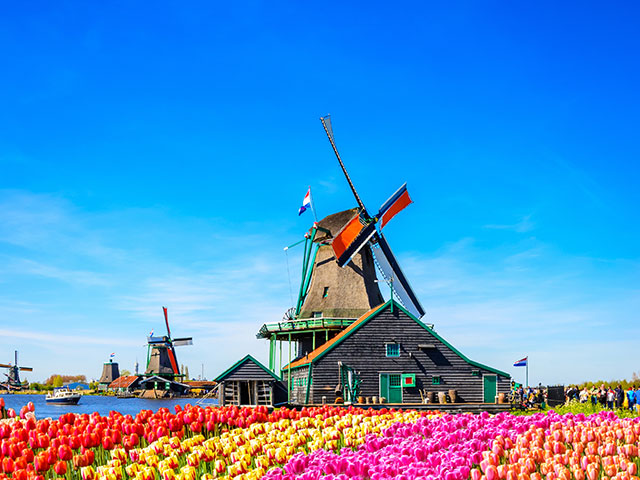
(333, 223)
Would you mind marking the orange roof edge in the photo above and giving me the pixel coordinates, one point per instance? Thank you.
(309, 358)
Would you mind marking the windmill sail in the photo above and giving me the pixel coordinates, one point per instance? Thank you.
(393, 275)
(178, 342)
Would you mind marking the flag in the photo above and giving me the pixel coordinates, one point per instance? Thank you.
(306, 203)
(521, 363)
(151, 333)
(395, 204)
(112, 355)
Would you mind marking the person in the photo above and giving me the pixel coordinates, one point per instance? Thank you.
(631, 397)
(611, 396)
(602, 396)
(637, 398)
(619, 396)
(584, 395)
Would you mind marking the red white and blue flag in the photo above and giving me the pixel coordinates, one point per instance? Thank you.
(306, 203)
(112, 355)
(521, 363)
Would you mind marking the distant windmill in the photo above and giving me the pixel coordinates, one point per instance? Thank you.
(13, 377)
(161, 354)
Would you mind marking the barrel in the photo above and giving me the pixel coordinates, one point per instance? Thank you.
(431, 397)
(442, 397)
(453, 395)
(501, 398)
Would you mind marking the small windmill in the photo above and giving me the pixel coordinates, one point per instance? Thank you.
(364, 230)
(13, 377)
(161, 353)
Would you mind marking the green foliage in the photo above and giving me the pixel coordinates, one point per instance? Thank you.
(57, 380)
(125, 373)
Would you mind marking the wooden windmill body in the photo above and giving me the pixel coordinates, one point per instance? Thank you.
(161, 354)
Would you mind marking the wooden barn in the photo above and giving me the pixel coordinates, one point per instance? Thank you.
(390, 355)
(249, 383)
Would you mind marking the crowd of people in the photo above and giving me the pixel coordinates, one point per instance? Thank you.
(607, 396)
(528, 397)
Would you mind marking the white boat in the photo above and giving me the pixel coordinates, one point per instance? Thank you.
(63, 396)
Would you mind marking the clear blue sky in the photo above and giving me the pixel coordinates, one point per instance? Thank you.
(156, 154)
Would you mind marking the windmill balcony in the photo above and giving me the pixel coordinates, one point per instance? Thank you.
(300, 325)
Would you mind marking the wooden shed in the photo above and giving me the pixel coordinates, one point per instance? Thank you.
(249, 383)
(389, 354)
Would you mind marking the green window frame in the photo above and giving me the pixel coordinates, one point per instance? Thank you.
(436, 380)
(392, 349)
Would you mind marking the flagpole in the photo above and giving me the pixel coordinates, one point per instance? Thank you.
(527, 371)
(315, 218)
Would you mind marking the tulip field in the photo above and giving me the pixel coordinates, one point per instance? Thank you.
(327, 442)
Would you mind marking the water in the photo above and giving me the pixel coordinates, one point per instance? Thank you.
(96, 403)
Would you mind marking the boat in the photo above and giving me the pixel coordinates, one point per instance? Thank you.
(63, 396)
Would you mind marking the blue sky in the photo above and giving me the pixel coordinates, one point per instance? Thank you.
(157, 155)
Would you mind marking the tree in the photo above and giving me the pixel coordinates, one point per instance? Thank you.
(125, 373)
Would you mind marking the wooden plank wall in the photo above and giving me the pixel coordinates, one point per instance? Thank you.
(365, 351)
(248, 371)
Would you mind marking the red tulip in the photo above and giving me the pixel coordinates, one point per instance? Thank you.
(7, 465)
(64, 453)
(107, 443)
(60, 468)
(40, 462)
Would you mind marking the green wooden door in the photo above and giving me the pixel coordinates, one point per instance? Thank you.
(391, 387)
(490, 388)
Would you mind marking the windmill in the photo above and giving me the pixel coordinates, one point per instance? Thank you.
(365, 231)
(339, 281)
(161, 353)
(13, 377)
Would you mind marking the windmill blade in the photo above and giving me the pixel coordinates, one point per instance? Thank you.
(178, 342)
(361, 240)
(166, 321)
(393, 275)
(5, 365)
(326, 123)
(397, 202)
(26, 369)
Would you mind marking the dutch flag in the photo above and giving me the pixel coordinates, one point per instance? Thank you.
(306, 203)
(112, 355)
(521, 363)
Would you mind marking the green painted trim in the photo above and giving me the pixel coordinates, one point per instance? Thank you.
(222, 376)
(304, 273)
(378, 310)
(309, 274)
(306, 398)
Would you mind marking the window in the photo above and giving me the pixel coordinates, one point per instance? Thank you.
(317, 314)
(325, 293)
(475, 373)
(436, 380)
(393, 349)
(395, 380)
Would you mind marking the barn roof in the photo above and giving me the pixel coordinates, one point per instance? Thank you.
(326, 347)
(242, 361)
(123, 382)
